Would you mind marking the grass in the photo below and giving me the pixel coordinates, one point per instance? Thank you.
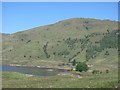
(16, 80)
(14, 75)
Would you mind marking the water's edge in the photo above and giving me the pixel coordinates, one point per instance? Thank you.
(33, 70)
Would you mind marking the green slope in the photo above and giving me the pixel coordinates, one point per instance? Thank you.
(81, 39)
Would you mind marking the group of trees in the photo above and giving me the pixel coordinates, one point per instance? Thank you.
(108, 41)
(71, 42)
(65, 52)
(84, 43)
(82, 66)
(93, 48)
(99, 72)
(45, 50)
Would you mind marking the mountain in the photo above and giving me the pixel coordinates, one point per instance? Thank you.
(79, 39)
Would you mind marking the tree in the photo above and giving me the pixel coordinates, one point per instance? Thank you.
(81, 66)
(106, 53)
(74, 62)
(54, 53)
(107, 71)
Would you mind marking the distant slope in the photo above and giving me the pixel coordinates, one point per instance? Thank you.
(77, 39)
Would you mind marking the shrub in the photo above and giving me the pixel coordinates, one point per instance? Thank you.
(28, 41)
(21, 39)
(74, 62)
(95, 72)
(81, 66)
(107, 71)
(106, 53)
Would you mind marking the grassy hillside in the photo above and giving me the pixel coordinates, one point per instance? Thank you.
(77, 39)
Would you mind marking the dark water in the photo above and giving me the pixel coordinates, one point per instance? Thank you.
(31, 70)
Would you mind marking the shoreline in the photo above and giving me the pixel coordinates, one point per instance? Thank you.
(42, 67)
